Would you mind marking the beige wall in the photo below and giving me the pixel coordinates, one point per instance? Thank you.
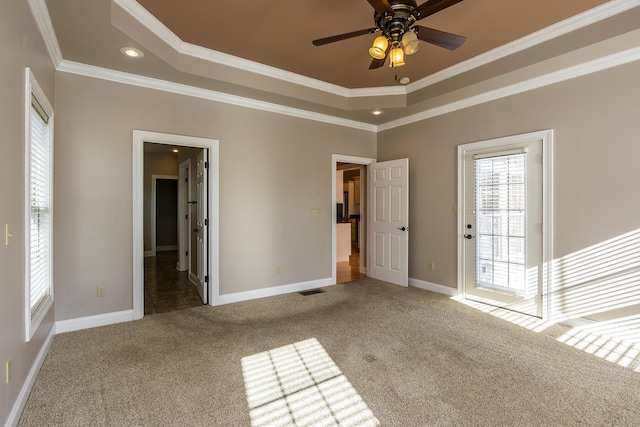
(21, 46)
(265, 216)
(596, 179)
(155, 164)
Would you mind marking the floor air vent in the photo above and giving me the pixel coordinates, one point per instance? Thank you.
(311, 292)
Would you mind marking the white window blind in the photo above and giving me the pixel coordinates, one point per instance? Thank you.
(500, 192)
(40, 201)
(39, 206)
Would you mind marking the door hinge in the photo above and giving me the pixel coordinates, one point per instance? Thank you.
(186, 180)
(206, 279)
(186, 253)
(206, 165)
(206, 222)
(186, 216)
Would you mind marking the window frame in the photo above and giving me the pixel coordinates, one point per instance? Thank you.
(34, 90)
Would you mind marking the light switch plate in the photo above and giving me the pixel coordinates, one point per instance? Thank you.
(7, 234)
(8, 371)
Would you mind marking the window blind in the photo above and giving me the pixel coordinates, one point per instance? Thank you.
(40, 230)
(500, 201)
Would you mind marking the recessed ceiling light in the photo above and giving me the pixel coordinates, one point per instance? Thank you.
(132, 52)
(175, 150)
(377, 112)
(405, 80)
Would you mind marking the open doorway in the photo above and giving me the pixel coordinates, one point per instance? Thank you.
(194, 257)
(349, 217)
(350, 210)
(169, 283)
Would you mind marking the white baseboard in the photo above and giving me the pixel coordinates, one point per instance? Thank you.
(149, 253)
(433, 287)
(270, 292)
(16, 411)
(78, 324)
(166, 248)
(194, 279)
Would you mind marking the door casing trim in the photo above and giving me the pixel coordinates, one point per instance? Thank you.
(546, 136)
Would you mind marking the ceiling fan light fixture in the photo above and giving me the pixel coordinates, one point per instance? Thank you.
(410, 42)
(396, 56)
(379, 48)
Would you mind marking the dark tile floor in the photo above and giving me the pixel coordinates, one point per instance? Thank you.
(165, 288)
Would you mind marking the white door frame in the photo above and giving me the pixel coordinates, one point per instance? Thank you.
(547, 205)
(139, 138)
(335, 159)
(154, 211)
(184, 236)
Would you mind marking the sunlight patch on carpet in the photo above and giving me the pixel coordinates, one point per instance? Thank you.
(300, 385)
(617, 341)
(524, 320)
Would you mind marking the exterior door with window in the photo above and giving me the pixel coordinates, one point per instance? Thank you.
(502, 226)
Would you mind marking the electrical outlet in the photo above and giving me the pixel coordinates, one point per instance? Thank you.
(432, 266)
(316, 209)
(278, 268)
(8, 370)
(102, 291)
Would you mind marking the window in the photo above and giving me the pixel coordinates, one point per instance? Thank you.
(39, 205)
(500, 221)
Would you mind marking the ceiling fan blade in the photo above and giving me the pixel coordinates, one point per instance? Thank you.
(381, 6)
(439, 38)
(377, 63)
(432, 6)
(344, 36)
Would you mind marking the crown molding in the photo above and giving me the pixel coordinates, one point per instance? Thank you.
(579, 70)
(41, 15)
(599, 13)
(177, 88)
(144, 17)
(607, 10)
(43, 21)
(261, 69)
(377, 91)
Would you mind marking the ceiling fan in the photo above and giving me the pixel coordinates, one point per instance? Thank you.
(395, 19)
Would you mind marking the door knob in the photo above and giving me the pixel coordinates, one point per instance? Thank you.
(402, 228)
(468, 236)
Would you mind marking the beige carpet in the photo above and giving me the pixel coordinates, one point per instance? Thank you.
(412, 357)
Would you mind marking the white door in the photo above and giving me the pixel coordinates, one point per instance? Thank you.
(502, 234)
(389, 221)
(202, 223)
(184, 235)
